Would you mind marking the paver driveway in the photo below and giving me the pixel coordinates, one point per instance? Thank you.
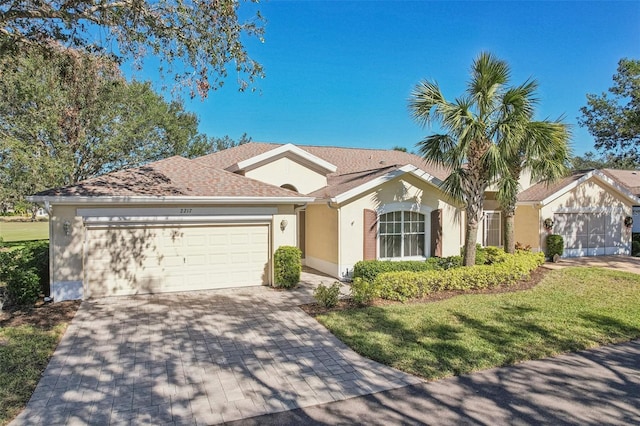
(198, 358)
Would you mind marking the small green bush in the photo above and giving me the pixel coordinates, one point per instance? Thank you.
(287, 266)
(327, 296)
(363, 291)
(25, 272)
(404, 285)
(555, 245)
(494, 255)
(635, 248)
(39, 259)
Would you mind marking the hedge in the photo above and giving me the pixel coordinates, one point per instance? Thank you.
(25, 272)
(404, 285)
(370, 269)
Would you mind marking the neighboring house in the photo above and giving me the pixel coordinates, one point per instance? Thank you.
(587, 208)
(216, 221)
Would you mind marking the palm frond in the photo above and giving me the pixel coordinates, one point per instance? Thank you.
(488, 76)
(424, 101)
(454, 185)
(436, 149)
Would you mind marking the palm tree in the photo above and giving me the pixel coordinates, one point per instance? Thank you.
(543, 149)
(484, 138)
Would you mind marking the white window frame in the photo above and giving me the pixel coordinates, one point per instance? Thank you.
(407, 207)
(485, 230)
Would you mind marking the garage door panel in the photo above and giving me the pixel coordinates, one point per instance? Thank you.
(148, 260)
(590, 234)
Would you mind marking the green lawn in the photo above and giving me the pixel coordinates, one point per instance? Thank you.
(24, 354)
(571, 309)
(24, 231)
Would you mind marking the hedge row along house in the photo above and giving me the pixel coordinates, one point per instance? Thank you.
(215, 221)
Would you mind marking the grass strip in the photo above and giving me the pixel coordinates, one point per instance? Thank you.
(571, 309)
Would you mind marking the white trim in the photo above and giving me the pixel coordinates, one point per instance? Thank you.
(413, 170)
(287, 148)
(588, 209)
(164, 220)
(67, 290)
(145, 199)
(176, 211)
(593, 173)
(484, 227)
(404, 207)
(325, 266)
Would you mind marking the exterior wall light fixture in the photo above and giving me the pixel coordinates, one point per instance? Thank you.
(283, 224)
(66, 227)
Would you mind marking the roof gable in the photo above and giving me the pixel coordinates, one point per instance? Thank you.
(543, 193)
(288, 150)
(355, 167)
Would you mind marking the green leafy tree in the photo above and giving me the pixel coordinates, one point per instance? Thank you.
(591, 160)
(484, 138)
(614, 118)
(198, 43)
(67, 116)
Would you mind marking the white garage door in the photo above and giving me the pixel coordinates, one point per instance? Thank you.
(590, 234)
(133, 260)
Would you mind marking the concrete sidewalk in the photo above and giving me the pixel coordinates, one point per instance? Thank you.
(595, 387)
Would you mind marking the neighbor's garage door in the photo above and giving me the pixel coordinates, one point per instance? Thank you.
(590, 234)
(132, 260)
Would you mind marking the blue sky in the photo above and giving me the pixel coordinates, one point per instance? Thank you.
(340, 73)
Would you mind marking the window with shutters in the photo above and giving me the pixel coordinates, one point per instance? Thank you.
(402, 235)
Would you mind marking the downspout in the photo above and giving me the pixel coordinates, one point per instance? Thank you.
(297, 210)
(337, 209)
(540, 235)
(49, 210)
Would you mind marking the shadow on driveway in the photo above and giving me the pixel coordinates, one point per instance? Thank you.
(594, 387)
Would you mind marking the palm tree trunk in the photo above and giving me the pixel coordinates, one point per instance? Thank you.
(470, 240)
(509, 232)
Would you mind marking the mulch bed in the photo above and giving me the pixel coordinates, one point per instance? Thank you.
(43, 315)
(536, 276)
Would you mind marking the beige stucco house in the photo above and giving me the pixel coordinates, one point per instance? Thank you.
(216, 221)
(587, 208)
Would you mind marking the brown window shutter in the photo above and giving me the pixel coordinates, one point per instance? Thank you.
(436, 233)
(370, 234)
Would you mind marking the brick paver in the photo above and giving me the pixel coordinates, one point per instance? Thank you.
(199, 358)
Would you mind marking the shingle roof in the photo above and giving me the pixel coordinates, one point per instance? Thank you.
(355, 166)
(627, 178)
(174, 176)
(540, 191)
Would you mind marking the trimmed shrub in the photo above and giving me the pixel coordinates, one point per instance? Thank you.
(287, 265)
(635, 248)
(405, 285)
(327, 296)
(39, 255)
(555, 245)
(370, 269)
(25, 272)
(494, 255)
(363, 291)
